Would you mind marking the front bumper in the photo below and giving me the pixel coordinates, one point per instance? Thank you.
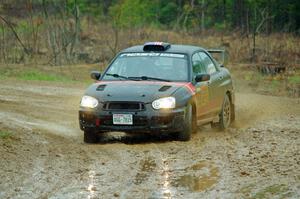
(146, 121)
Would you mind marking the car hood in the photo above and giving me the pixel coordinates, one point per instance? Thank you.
(143, 91)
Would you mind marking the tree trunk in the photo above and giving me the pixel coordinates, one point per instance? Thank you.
(77, 29)
(202, 16)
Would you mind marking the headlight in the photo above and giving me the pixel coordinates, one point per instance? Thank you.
(89, 102)
(164, 103)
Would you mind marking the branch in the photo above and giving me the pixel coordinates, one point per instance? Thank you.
(57, 53)
(264, 19)
(16, 35)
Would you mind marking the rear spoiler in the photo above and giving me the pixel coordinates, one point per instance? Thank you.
(221, 55)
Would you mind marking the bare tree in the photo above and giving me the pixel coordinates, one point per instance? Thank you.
(203, 16)
(76, 29)
(256, 29)
(63, 33)
(26, 50)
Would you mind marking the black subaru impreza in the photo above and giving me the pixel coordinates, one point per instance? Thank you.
(158, 88)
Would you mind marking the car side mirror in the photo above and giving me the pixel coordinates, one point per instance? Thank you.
(202, 77)
(95, 75)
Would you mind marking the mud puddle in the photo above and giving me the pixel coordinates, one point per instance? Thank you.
(203, 176)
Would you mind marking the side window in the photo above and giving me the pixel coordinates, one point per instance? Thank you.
(198, 66)
(209, 65)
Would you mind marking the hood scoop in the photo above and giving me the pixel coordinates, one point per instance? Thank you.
(164, 88)
(101, 87)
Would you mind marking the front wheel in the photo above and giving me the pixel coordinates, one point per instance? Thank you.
(90, 137)
(185, 135)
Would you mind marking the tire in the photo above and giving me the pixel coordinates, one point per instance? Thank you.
(90, 137)
(194, 124)
(232, 113)
(225, 117)
(185, 135)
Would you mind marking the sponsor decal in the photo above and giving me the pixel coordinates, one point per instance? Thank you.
(175, 55)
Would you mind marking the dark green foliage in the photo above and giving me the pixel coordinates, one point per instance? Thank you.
(133, 13)
(168, 12)
(244, 15)
(190, 15)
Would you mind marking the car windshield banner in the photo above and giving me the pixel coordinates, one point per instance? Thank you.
(175, 55)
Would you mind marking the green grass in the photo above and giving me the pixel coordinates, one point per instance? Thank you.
(4, 73)
(275, 84)
(281, 191)
(271, 191)
(248, 77)
(32, 74)
(5, 134)
(294, 79)
(42, 76)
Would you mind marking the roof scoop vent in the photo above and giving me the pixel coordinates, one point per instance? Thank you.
(156, 46)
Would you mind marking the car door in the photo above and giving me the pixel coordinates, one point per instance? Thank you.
(214, 84)
(202, 92)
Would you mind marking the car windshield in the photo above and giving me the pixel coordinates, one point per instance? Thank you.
(148, 66)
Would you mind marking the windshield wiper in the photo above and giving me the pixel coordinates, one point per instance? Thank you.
(118, 76)
(150, 78)
(137, 78)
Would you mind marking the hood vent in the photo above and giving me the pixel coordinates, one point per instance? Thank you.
(164, 88)
(101, 87)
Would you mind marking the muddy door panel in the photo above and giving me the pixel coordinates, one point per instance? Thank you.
(214, 94)
(203, 100)
(220, 89)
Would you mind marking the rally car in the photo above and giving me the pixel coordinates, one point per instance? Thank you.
(158, 88)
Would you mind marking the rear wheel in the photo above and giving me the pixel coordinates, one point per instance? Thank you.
(225, 115)
(90, 136)
(185, 135)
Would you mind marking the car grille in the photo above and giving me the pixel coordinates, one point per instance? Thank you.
(132, 106)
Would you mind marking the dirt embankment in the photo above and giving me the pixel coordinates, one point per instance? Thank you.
(46, 158)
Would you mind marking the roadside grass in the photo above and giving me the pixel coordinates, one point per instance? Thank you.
(294, 79)
(79, 74)
(4, 73)
(283, 84)
(245, 75)
(5, 134)
(42, 76)
(22, 73)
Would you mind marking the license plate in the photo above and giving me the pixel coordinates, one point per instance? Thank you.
(123, 119)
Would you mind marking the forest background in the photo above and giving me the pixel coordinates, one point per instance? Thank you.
(259, 35)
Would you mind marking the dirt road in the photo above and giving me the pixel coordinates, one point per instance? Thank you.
(46, 158)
